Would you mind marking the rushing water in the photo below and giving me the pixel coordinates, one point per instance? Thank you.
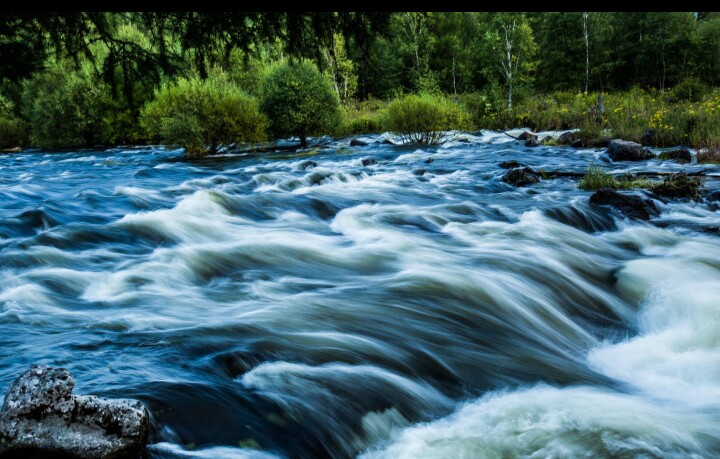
(414, 308)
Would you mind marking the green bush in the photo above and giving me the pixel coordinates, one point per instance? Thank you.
(65, 107)
(424, 118)
(690, 89)
(13, 130)
(364, 117)
(299, 100)
(202, 115)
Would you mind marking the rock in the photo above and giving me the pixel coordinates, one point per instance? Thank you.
(680, 155)
(11, 150)
(630, 205)
(419, 172)
(579, 143)
(358, 143)
(429, 161)
(526, 135)
(42, 419)
(532, 143)
(387, 142)
(512, 164)
(602, 142)
(623, 150)
(547, 140)
(566, 138)
(648, 137)
(307, 164)
(521, 177)
(713, 196)
(678, 186)
(368, 161)
(463, 140)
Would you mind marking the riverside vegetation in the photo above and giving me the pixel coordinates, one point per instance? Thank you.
(99, 79)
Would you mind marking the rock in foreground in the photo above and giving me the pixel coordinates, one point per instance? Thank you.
(42, 419)
(630, 205)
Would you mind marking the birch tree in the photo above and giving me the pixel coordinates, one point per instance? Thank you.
(513, 48)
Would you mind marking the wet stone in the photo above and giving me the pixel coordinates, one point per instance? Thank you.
(40, 418)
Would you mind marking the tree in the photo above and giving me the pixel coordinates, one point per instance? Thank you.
(513, 48)
(299, 100)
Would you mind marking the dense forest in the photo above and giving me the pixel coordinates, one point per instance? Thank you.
(86, 79)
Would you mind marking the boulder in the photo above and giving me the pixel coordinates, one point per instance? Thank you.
(419, 171)
(41, 418)
(578, 143)
(307, 164)
(680, 155)
(358, 143)
(527, 135)
(547, 140)
(368, 161)
(623, 150)
(632, 206)
(521, 177)
(532, 142)
(512, 164)
(429, 161)
(566, 138)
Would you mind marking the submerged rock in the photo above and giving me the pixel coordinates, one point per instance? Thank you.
(630, 205)
(42, 419)
(307, 164)
(532, 142)
(512, 164)
(579, 143)
(680, 155)
(521, 177)
(368, 161)
(623, 150)
(358, 143)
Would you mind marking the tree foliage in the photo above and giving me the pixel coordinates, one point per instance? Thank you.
(202, 115)
(425, 118)
(298, 100)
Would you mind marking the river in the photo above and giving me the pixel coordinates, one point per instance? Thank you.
(418, 307)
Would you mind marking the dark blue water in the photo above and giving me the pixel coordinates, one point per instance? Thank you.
(261, 306)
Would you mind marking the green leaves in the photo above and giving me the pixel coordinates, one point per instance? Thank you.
(425, 118)
(299, 100)
(202, 115)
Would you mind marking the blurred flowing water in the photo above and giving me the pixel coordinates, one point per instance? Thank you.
(262, 306)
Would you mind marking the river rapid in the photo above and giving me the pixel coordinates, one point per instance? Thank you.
(265, 306)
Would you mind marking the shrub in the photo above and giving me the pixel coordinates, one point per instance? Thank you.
(364, 117)
(424, 118)
(298, 100)
(65, 107)
(202, 115)
(13, 130)
(690, 89)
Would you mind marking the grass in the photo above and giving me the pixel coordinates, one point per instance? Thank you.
(674, 118)
(596, 178)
